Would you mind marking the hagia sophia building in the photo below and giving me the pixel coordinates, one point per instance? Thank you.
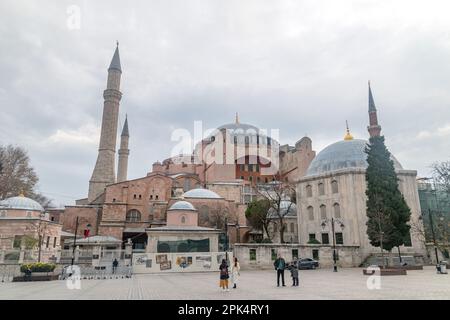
(217, 181)
(218, 189)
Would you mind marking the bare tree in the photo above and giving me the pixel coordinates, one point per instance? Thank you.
(441, 174)
(281, 198)
(18, 176)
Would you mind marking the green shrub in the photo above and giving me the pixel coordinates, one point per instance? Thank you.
(313, 241)
(38, 267)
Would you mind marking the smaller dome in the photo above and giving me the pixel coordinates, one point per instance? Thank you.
(21, 203)
(201, 193)
(284, 206)
(182, 205)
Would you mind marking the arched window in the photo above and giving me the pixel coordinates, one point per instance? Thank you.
(133, 216)
(334, 186)
(323, 212)
(292, 227)
(337, 210)
(183, 220)
(321, 189)
(310, 210)
(309, 191)
(247, 140)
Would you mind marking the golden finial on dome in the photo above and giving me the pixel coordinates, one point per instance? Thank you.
(348, 135)
(237, 118)
(21, 194)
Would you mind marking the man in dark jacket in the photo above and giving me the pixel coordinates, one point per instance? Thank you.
(280, 265)
(114, 265)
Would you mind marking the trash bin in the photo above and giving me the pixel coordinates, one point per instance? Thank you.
(443, 267)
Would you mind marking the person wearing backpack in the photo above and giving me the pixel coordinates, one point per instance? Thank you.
(224, 275)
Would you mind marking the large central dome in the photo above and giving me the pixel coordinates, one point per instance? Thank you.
(342, 155)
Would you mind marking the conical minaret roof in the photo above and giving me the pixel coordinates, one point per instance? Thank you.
(115, 62)
(125, 128)
(371, 102)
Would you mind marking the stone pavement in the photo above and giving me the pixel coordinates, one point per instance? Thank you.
(314, 284)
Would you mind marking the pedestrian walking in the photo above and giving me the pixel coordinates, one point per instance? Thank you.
(294, 274)
(280, 265)
(235, 272)
(224, 275)
(114, 265)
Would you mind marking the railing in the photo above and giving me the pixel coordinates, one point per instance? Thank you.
(81, 256)
(100, 272)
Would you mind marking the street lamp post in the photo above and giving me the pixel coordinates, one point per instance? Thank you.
(324, 223)
(74, 242)
(226, 239)
(40, 236)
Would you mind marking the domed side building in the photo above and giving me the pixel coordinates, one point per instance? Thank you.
(334, 187)
(23, 222)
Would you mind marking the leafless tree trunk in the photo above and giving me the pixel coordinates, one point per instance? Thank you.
(279, 195)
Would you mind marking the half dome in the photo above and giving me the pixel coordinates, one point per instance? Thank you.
(342, 155)
(201, 193)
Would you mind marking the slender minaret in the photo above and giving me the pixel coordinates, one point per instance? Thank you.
(374, 128)
(122, 166)
(104, 172)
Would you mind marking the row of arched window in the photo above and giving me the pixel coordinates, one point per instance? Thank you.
(321, 188)
(323, 211)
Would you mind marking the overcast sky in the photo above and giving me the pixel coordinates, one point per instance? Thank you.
(300, 66)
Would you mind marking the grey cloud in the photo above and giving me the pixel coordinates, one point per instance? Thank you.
(300, 66)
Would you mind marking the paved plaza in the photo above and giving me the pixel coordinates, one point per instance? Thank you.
(314, 284)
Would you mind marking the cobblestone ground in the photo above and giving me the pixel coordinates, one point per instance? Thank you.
(314, 284)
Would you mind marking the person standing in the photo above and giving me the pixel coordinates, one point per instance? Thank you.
(294, 274)
(235, 272)
(114, 265)
(280, 265)
(224, 275)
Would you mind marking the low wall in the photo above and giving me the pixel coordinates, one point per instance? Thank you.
(178, 262)
(261, 256)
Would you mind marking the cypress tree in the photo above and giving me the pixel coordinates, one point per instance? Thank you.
(387, 211)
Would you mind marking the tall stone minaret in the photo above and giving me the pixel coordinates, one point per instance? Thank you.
(122, 166)
(374, 128)
(104, 172)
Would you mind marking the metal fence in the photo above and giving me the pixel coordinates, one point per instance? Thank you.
(93, 265)
(100, 273)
